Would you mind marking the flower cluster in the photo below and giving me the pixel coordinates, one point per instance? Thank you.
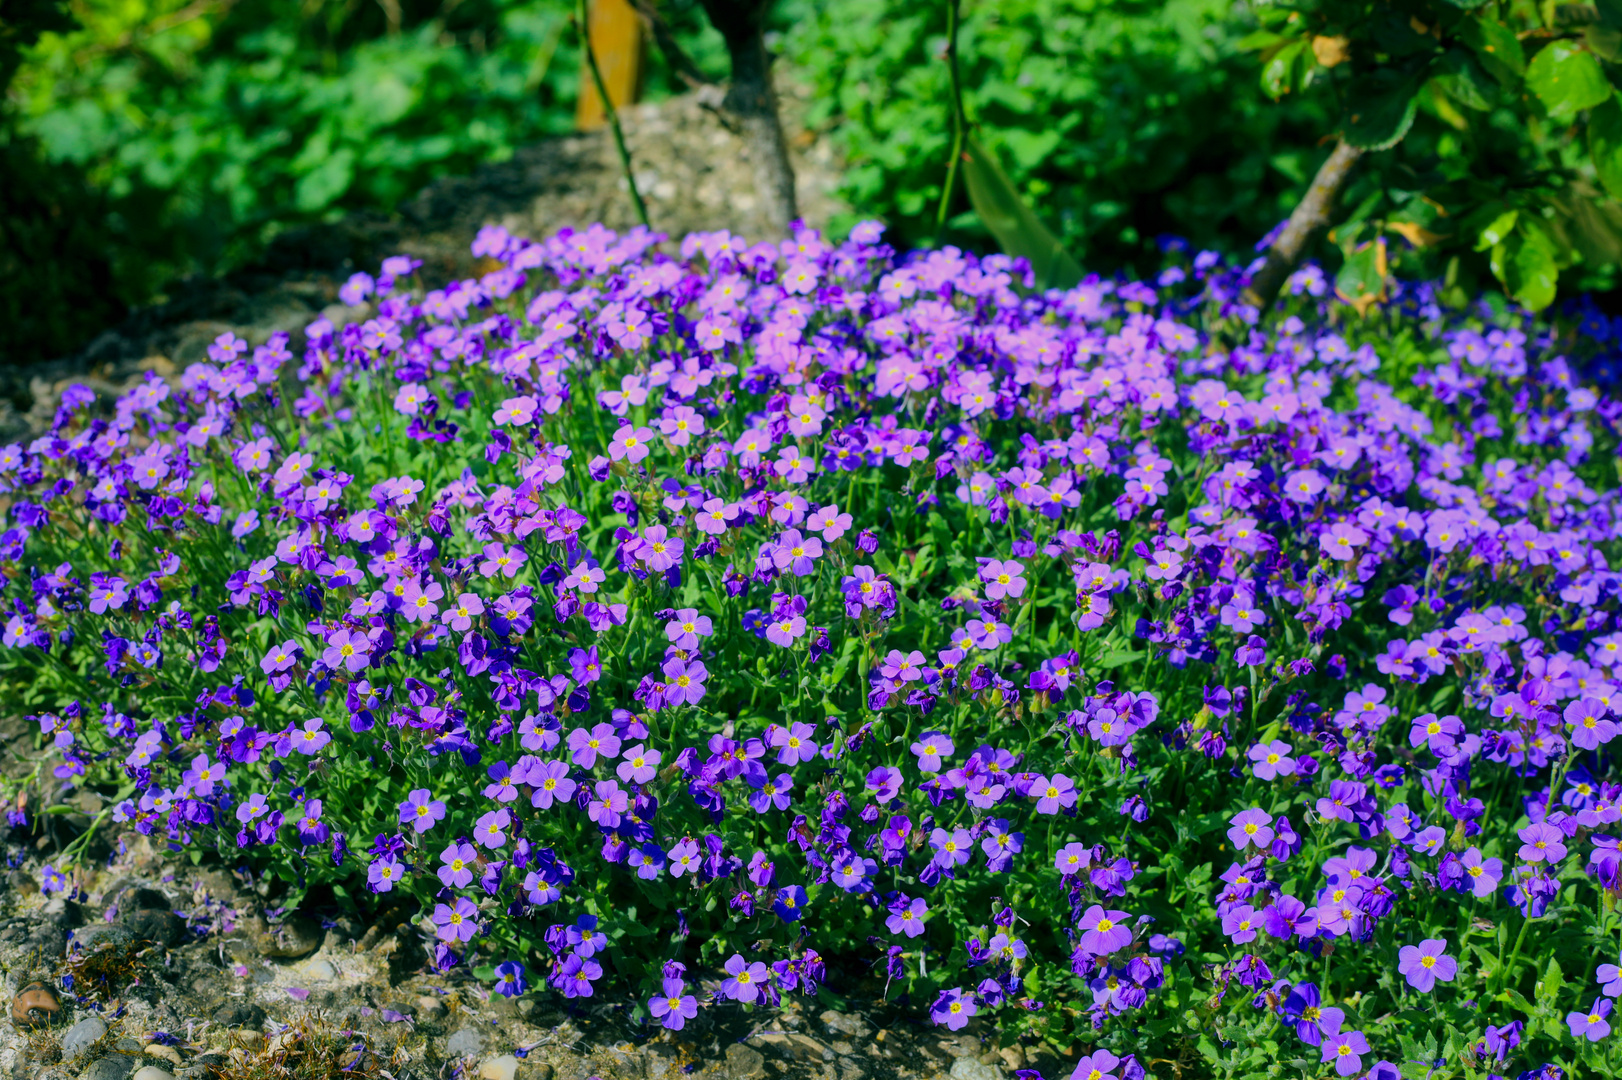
(676, 621)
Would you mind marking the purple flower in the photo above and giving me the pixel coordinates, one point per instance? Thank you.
(744, 980)
(672, 1007)
(1425, 964)
(931, 748)
(953, 1008)
(907, 916)
(1542, 843)
(790, 903)
(585, 746)
(1053, 795)
(552, 784)
(1591, 1025)
(491, 829)
(640, 765)
(951, 848)
(1271, 760)
(1251, 828)
(421, 810)
(684, 682)
(1104, 932)
(1345, 1049)
(510, 981)
(1096, 1066)
(793, 743)
(459, 861)
(456, 923)
(384, 872)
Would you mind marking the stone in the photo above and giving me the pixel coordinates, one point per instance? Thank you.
(745, 1062)
(504, 1067)
(152, 1072)
(154, 924)
(294, 936)
(1012, 1056)
(34, 1005)
(318, 971)
(133, 896)
(83, 1035)
(112, 1067)
(158, 1050)
(847, 1024)
(93, 937)
(429, 1008)
(237, 1014)
(127, 1045)
(62, 912)
(464, 1044)
(970, 1069)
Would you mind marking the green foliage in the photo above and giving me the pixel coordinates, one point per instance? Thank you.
(1117, 121)
(1496, 129)
(211, 128)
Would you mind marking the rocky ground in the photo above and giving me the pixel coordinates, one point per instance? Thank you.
(159, 972)
(692, 170)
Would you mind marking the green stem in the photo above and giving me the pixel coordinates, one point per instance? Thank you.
(959, 120)
(583, 25)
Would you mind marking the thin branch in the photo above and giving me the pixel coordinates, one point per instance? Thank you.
(960, 122)
(583, 26)
(1310, 215)
(680, 63)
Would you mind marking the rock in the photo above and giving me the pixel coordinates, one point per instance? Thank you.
(63, 912)
(112, 1067)
(429, 1008)
(504, 1067)
(970, 1069)
(154, 924)
(24, 882)
(35, 1004)
(127, 1046)
(93, 937)
(1012, 1056)
(83, 1035)
(152, 1072)
(237, 1014)
(745, 1062)
(158, 1050)
(131, 895)
(317, 971)
(464, 1044)
(846, 1024)
(295, 936)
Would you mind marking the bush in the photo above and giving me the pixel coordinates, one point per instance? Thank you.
(1120, 121)
(716, 628)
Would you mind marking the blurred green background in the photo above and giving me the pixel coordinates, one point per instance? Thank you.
(143, 140)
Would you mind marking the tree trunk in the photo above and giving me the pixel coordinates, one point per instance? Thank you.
(751, 100)
(1310, 215)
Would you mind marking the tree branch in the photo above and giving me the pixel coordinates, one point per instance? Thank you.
(1310, 215)
(751, 99)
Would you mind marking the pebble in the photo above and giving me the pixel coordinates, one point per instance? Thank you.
(116, 1067)
(504, 1067)
(318, 971)
(81, 1036)
(152, 1072)
(430, 1008)
(745, 1062)
(296, 935)
(162, 926)
(463, 1044)
(158, 1050)
(34, 1004)
(970, 1069)
(92, 937)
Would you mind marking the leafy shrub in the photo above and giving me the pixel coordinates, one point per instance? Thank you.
(1121, 121)
(211, 129)
(719, 626)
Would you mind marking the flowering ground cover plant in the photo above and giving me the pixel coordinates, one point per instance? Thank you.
(698, 627)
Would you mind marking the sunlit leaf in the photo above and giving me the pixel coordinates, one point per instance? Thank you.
(1497, 47)
(1567, 80)
(1018, 230)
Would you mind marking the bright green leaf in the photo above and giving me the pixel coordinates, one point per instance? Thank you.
(1497, 47)
(1018, 230)
(1494, 233)
(1567, 80)
(1527, 269)
(1281, 71)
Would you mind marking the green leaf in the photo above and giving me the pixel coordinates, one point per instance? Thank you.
(1497, 47)
(1567, 80)
(1361, 280)
(1257, 40)
(1463, 79)
(1605, 144)
(1281, 71)
(1527, 269)
(1494, 233)
(1018, 230)
(1549, 987)
(1380, 109)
